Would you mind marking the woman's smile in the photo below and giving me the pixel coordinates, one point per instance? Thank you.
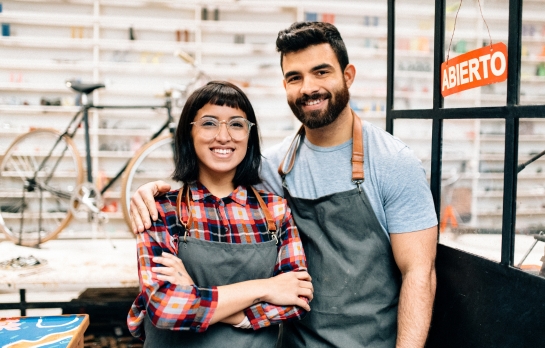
(223, 152)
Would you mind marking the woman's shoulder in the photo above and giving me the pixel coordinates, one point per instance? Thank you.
(278, 205)
(167, 201)
(268, 197)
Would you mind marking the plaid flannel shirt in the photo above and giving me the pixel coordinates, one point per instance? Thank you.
(217, 220)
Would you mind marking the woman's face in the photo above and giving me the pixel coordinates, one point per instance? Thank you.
(218, 153)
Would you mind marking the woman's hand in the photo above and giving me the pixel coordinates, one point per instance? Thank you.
(173, 271)
(287, 289)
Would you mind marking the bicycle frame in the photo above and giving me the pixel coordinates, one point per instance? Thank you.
(48, 166)
(83, 115)
(41, 178)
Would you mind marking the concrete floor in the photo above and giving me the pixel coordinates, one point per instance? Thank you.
(489, 246)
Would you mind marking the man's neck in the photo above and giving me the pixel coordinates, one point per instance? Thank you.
(336, 133)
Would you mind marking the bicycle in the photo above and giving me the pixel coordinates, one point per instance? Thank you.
(50, 184)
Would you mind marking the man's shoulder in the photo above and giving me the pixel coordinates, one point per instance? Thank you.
(274, 154)
(385, 150)
(380, 140)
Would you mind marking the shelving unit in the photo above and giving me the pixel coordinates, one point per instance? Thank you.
(51, 42)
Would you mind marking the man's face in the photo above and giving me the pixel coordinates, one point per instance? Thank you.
(315, 85)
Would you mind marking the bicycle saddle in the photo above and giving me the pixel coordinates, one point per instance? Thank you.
(84, 88)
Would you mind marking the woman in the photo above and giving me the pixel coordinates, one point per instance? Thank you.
(239, 261)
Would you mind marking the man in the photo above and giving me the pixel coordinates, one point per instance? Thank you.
(363, 207)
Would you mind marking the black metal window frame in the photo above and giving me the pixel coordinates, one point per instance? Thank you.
(511, 113)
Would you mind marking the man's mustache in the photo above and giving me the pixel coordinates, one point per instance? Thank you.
(315, 96)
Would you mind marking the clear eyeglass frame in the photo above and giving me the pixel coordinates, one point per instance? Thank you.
(214, 128)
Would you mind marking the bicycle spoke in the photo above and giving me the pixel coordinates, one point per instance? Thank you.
(153, 162)
(36, 185)
(27, 161)
(18, 163)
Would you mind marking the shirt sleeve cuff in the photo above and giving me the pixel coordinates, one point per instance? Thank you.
(256, 315)
(207, 308)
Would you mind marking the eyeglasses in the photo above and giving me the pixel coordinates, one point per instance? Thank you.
(238, 128)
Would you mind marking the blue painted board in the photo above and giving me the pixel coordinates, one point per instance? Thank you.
(47, 331)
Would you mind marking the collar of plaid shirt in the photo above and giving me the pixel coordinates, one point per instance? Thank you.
(199, 192)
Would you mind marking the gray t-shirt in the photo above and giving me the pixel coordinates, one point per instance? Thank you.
(395, 180)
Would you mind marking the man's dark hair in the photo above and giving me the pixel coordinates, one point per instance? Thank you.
(301, 35)
(185, 158)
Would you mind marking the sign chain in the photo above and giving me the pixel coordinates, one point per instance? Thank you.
(490, 37)
(454, 29)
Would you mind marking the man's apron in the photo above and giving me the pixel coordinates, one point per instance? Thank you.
(356, 280)
(213, 263)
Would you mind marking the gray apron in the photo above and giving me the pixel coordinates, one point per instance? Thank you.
(215, 264)
(356, 280)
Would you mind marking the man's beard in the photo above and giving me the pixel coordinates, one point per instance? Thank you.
(321, 118)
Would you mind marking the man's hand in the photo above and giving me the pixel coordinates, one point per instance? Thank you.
(143, 204)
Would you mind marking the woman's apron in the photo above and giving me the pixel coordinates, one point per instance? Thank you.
(216, 264)
(356, 280)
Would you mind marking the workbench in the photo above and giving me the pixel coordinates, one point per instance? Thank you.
(70, 265)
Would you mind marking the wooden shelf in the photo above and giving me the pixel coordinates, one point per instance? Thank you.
(105, 54)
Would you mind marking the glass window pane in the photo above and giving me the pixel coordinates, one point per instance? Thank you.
(472, 186)
(466, 31)
(413, 66)
(416, 134)
(532, 82)
(364, 34)
(530, 196)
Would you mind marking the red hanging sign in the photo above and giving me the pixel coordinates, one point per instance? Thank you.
(476, 68)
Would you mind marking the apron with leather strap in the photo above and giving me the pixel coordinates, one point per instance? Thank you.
(215, 264)
(356, 280)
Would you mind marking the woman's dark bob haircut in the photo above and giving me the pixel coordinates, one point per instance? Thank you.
(220, 93)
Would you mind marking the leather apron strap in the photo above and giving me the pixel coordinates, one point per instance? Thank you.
(270, 221)
(189, 222)
(358, 175)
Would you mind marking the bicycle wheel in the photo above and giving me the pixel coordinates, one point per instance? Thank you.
(38, 173)
(154, 161)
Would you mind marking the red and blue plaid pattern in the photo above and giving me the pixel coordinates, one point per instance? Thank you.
(234, 219)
